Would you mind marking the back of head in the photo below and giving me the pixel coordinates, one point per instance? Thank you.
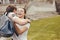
(10, 8)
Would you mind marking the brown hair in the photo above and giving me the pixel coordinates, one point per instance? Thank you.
(10, 8)
(25, 13)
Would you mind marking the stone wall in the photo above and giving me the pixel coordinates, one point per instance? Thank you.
(36, 10)
(44, 0)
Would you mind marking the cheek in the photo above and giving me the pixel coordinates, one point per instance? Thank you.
(23, 14)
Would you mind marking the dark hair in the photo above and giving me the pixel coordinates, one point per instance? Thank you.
(10, 8)
(25, 13)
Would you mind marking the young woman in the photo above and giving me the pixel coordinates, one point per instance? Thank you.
(22, 30)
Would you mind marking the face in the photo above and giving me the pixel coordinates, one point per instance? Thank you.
(20, 13)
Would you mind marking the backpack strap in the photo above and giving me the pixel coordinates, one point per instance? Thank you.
(6, 13)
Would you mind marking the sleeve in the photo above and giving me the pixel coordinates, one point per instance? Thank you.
(12, 16)
(27, 25)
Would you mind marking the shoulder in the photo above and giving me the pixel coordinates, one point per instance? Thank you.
(28, 24)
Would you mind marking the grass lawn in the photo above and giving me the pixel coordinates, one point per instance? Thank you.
(45, 29)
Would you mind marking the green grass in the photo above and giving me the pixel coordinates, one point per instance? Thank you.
(45, 29)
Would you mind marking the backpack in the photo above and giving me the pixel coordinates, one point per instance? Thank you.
(6, 26)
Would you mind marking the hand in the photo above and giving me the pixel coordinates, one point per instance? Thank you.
(28, 20)
(24, 21)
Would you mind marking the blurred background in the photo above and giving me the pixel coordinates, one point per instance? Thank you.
(45, 16)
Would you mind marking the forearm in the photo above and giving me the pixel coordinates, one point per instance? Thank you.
(16, 29)
(19, 20)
